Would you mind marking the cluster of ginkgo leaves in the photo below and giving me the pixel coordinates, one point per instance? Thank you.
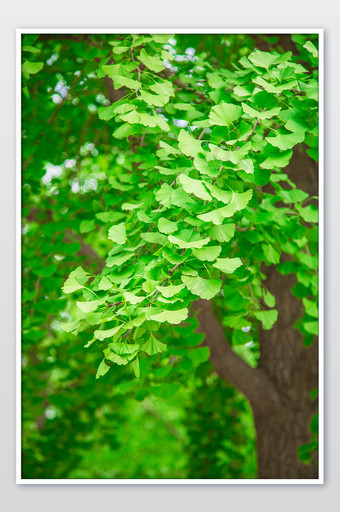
(188, 215)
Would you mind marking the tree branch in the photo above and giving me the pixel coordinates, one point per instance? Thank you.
(252, 382)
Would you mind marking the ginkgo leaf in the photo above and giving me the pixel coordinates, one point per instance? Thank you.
(108, 333)
(153, 63)
(264, 114)
(262, 59)
(279, 159)
(187, 239)
(204, 288)
(117, 260)
(104, 284)
(132, 298)
(218, 193)
(227, 265)
(88, 306)
(225, 114)
(222, 233)
(166, 226)
(120, 81)
(192, 186)
(153, 346)
(238, 202)
(205, 167)
(267, 318)
(102, 369)
(188, 144)
(72, 284)
(124, 348)
(171, 316)
(286, 141)
(166, 88)
(170, 290)
(311, 48)
(154, 238)
(117, 233)
(207, 253)
(158, 100)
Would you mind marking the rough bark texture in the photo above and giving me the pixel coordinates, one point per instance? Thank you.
(279, 388)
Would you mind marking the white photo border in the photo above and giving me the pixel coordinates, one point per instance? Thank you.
(257, 481)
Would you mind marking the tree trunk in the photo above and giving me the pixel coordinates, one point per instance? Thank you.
(279, 435)
(279, 388)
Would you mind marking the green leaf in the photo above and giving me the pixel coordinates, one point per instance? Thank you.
(238, 202)
(166, 226)
(222, 233)
(102, 369)
(267, 318)
(153, 63)
(132, 298)
(172, 257)
(125, 130)
(158, 100)
(171, 290)
(171, 316)
(221, 195)
(104, 284)
(131, 206)
(204, 288)
(311, 327)
(204, 167)
(264, 114)
(164, 88)
(31, 68)
(71, 326)
(187, 239)
(225, 114)
(309, 213)
(311, 308)
(124, 348)
(207, 253)
(117, 233)
(271, 255)
(88, 306)
(132, 117)
(163, 195)
(262, 59)
(153, 346)
(72, 284)
(287, 140)
(154, 238)
(136, 367)
(227, 265)
(280, 159)
(123, 81)
(109, 216)
(195, 187)
(189, 145)
(116, 358)
(311, 48)
(108, 333)
(118, 260)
